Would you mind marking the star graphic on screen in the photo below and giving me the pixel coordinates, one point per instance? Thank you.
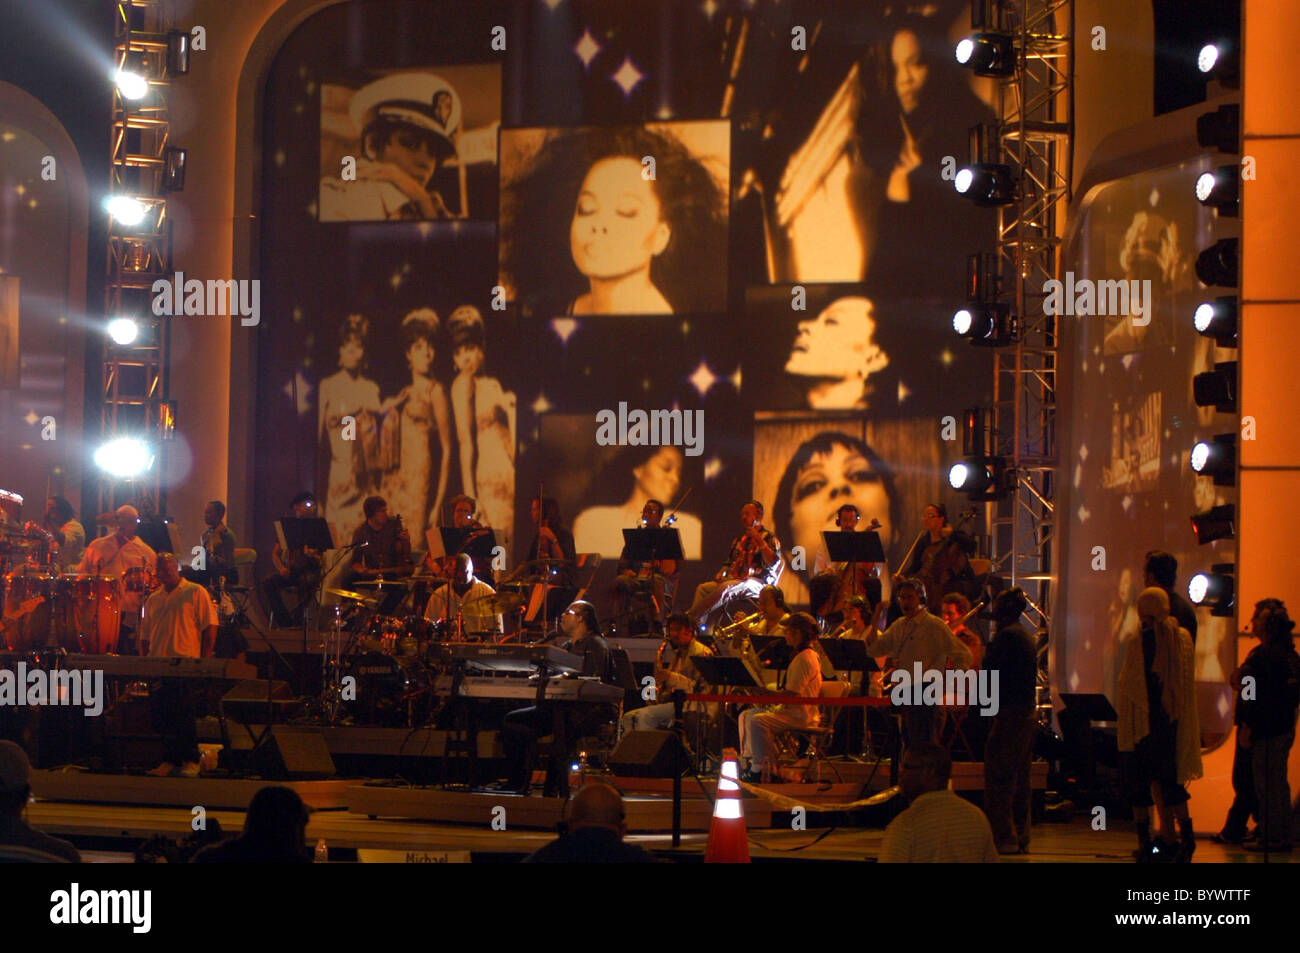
(1083, 513)
(1223, 707)
(297, 315)
(586, 49)
(903, 392)
(686, 328)
(710, 7)
(20, 190)
(563, 328)
(1074, 680)
(31, 418)
(713, 468)
(735, 379)
(541, 405)
(1083, 451)
(946, 357)
(627, 76)
(703, 378)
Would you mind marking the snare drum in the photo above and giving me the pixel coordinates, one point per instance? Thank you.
(139, 579)
(28, 608)
(88, 613)
(383, 634)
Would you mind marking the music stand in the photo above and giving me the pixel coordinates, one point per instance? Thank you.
(302, 532)
(853, 548)
(158, 534)
(477, 543)
(850, 655)
(722, 672)
(647, 545)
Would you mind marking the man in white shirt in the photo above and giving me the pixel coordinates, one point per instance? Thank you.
(920, 637)
(448, 601)
(116, 555)
(679, 673)
(938, 826)
(179, 620)
(758, 728)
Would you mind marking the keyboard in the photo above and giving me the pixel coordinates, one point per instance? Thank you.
(509, 658)
(525, 689)
(146, 667)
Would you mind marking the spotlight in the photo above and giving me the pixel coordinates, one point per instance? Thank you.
(131, 84)
(1217, 265)
(1220, 129)
(986, 325)
(980, 478)
(123, 331)
(178, 52)
(1219, 61)
(1215, 589)
(125, 210)
(173, 179)
(1218, 319)
(1208, 56)
(986, 184)
(124, 457)
(1216, 523)
(1219, 190)
(988, 54)
(1217, 388)
(1216, 457)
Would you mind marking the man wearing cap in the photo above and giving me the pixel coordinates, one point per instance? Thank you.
(114, 555)
(15, 791)
(408, 122)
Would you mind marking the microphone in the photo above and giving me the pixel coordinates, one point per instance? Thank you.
(671, 520)
(356, 545)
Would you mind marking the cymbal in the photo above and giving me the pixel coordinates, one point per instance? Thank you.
(355, 596)
(409, 582)
(499, 602)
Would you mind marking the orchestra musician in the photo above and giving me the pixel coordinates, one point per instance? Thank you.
(940, 556)
(66, 537)
(954, 607)
(759, 729)
(115, 556)
(447, 601)
(772, 612)
(643, 576)
(552, 541)
(298, 569)
(671, 674)
(753, 561)
(521, 728)
(462, 517)
(179, 620)
(218, 546)
(381, 547)
(833, 584)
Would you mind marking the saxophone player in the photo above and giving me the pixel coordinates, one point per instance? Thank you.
(673, 670)
(753, 561)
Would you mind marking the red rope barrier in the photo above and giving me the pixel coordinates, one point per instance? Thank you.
(859, 702)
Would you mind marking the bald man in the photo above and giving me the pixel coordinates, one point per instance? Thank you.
(114, 556)
(597, 826)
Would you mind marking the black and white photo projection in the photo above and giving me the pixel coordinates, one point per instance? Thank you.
(822, 348)
(807, 466)
(616, 220)
(414, 145)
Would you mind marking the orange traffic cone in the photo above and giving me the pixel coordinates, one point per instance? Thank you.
(728, 839)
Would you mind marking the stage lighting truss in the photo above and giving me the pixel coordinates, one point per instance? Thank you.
(1217, 265)
(1218, 319)
(1219, 522)
(983, 478)
(987, 184)
(988, 53)
(1217, 388)
(1217, 458)
(1220, 190)
(1215, 589)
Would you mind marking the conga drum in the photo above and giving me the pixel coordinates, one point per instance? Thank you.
(28, 609)
(90, 613)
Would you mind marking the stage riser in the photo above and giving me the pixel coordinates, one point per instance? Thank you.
(209, 793)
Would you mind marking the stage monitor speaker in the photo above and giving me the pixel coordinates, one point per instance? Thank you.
(295, 754)
(647, 754)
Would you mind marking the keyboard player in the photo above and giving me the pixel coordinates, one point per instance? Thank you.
(521, 728)
(179, 620)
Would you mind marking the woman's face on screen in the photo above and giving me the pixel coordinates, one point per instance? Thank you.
(468, 358)
(420, 356)
(616, 228)
(828, 481)
(350, 354)
(910, 73)
(836, 342)
(661, 475)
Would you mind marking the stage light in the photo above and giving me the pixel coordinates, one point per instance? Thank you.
(178, 52)
(1215, 589)
(987, 325)
(986, 184)
(124, 457)
(980, 478)
(1208, 56)
(125, 210)
(988, 54)
(123, 331)
(1220, 129)
(1217, 388)
(1217, 265)
(1217, 458)
(1218, 319)
(173, 179)
(1219, 190)
(1219, 60)
(1216, 523)
(131, 84)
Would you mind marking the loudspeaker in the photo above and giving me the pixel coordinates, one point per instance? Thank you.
(647, 754)
(294, 754)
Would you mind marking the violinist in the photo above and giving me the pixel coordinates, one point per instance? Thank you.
(753, 561)
(643, 576)
(835, 583)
